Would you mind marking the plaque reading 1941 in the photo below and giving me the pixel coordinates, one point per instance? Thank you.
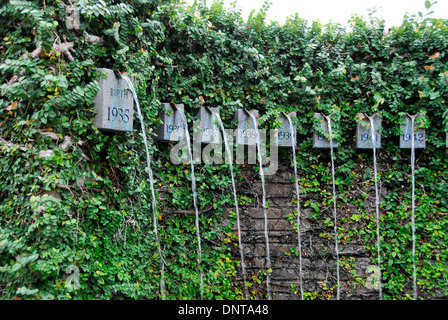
(114, 103)
(364, 138)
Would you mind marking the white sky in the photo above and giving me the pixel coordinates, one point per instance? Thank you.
(340, 10)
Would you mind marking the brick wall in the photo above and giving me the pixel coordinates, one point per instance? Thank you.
(318, 252)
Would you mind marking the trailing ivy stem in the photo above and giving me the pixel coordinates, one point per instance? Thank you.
(338, 292)
(260, 161)
(296, 181)
(193, 188)
(377, 206)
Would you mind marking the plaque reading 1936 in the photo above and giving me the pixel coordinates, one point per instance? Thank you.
(172, 127)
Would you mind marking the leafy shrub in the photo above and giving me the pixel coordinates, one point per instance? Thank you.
(88, 204)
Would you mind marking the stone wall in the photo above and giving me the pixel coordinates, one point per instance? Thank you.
(318, 251)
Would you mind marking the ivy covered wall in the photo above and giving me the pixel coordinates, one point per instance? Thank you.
(72, 195)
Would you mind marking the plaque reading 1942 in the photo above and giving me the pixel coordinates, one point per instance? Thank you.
(114, 103)
(417, 134)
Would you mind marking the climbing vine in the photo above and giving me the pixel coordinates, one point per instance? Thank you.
(72, 195)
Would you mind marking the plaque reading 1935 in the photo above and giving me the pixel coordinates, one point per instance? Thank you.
(114, 103)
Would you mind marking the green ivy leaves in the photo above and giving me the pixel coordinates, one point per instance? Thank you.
(102, 220)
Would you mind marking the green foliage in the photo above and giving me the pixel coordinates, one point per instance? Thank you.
(89, 205)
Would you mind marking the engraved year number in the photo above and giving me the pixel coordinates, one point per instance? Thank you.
(248, 133)
(118, 114)
(284, 135)
(173, 128)
(417, 137)
(366, 137)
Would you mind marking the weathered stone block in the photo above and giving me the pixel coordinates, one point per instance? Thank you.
(210, 128)
(245, 132)
(416, 133)
(364, 139)
(318, 140)
(284, 134)
(114, 103)
(172, 126)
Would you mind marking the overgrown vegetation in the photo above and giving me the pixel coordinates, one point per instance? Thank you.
(73, 195)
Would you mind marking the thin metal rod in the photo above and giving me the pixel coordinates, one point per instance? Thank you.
(338, 292)
(296, 180)
(377, 204)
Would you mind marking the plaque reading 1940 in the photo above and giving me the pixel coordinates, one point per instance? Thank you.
(318, 140)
